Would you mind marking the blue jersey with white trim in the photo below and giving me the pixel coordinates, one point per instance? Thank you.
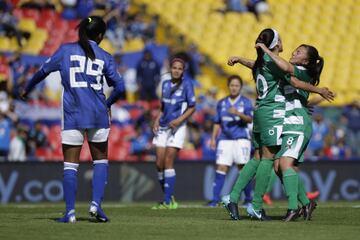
(232, 127)
(83, 101)
(175, 100)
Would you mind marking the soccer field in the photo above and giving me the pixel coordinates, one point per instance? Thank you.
(335, 220)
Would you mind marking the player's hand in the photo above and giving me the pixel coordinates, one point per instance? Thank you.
(156, 127)
(260, 45)
(327, 94)
(233, 60)
(174, 124)
(233, 110)
(212, 144)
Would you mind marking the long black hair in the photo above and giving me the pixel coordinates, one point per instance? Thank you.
(89, 29)
(266, 37)
(315, 65)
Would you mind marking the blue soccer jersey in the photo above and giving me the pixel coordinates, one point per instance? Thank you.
(84, 104)
(232, 127)
(175, 100)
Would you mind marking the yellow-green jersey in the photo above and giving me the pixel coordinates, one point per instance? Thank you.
(270, 104)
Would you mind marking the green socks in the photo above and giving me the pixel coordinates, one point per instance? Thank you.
(272, 180)
(303, 199)
(291, 185)
(262, 180)
(245, 176)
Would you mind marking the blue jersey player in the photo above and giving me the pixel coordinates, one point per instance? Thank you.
(231, 130)
(83, 66)
(177, 105)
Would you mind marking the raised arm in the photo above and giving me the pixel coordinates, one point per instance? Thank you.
(280, 62)
(243, 61)
(323, 92)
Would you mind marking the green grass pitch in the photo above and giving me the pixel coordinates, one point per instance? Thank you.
(333, 220)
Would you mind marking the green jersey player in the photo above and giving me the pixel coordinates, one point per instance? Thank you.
(268, 119)
(306, 65)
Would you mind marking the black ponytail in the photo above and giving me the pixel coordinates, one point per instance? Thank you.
(266, 36)
(315, 64)
(90, 29)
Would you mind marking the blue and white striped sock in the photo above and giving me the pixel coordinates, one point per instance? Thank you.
(170, 177)
(70, 185)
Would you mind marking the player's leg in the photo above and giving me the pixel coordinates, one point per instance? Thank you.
(230, 202)
(224, 160)
(242, 152)
(247, 173)
(267, 198)
(159, 141)
(218, 184)
(98, 144)
(262, 177)
(169, 174)
(160, 165)
(72, 141)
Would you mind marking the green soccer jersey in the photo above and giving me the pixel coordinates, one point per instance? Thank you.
(270, 103)
(297, 128)
(297, 117)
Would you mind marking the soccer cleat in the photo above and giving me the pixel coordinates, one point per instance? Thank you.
(161, 206)
(98, 213)
(246, 204)
(308, 209)
(291, 215)
(258, 214)
(231, 207)
(312, 195)
(68, 217)
(173, 203)
(267, 199)
(212, 204)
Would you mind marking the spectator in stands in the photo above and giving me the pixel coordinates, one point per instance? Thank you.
(208, 154)
(339, 150)
(39, 4)
(352, 115)
(320, 131)
(128, 74)
(233, 6)
(36, 139)
(8, 24)
(5, 130)
(140, 143)
(257, 7)
(5, 74)
(148, 76)
(17, 150)
(210, 102)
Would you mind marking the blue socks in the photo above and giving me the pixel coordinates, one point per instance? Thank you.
(161, 180)
(169, 184)
(100, 177)
(218, 185)
(70, 185)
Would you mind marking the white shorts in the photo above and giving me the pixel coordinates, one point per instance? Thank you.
(76, 136)
(169, 138)
(233, 151)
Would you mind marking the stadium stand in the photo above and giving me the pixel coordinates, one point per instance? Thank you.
(326, 25)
